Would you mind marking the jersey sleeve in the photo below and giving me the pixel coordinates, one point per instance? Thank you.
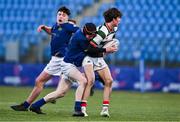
(102, 32)
(72, 28)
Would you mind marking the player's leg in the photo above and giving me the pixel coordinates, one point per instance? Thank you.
(107, 78)
(90, 76)
(39, 84)
(63, 86)
(52, 68)
(103, 70)
(77, 76)
(71, 71)
(92, 91)
(99, 79)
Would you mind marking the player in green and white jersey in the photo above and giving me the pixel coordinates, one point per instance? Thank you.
(95, 61)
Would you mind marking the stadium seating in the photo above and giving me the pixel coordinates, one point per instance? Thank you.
(151, 26)
(20, 19)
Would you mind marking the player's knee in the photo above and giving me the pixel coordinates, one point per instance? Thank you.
(108, 82)
(90, 82)
(39, 83)
(84, 81)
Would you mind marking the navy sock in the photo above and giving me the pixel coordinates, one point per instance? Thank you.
(39, 103)
(26, 104)
(77, 106)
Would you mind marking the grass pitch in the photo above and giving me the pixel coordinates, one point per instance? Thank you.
(124, 106)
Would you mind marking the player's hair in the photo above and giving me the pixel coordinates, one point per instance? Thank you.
(111, 14)
(65, 10)
(89, 28)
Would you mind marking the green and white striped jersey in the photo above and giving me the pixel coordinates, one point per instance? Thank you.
(103, 35)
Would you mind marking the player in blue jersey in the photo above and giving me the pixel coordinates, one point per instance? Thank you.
(61, 33)
(77, 50)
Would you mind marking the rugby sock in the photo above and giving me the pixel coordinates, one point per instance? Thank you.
(39, 103)
(26, 104)
(77, 106)
(105, 103)
(84, 104)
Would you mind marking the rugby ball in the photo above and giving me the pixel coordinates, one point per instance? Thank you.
(113, 42)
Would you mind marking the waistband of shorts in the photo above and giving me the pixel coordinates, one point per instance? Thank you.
(58, 58)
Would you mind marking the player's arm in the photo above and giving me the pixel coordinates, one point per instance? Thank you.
(95, 49)
(102, 32)
(92, 50)
(47, 29)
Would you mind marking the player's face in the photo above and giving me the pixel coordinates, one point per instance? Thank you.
(116, 21)
(61, 17)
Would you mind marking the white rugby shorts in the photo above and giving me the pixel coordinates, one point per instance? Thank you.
(67, 67)
(98, 63)
(54, 66)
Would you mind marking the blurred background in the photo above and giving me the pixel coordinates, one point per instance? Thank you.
(148, 58)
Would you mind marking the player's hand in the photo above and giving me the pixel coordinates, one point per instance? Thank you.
(111, 49)
(40, 28)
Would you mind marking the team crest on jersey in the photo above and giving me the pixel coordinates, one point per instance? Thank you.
(59, 28)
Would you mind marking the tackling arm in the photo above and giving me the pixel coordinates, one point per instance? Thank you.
(94, 49)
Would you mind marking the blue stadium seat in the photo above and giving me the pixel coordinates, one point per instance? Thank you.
(46, 53)
(178, 57)
(144, 22)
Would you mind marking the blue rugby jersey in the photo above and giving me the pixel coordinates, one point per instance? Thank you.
(61, 35)
(76, 49)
